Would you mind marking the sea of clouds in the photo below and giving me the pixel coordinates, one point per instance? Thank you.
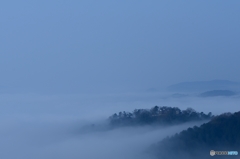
(47, 126)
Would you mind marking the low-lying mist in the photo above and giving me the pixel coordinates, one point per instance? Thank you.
(47, 126)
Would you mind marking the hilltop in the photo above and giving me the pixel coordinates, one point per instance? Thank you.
(157, 116)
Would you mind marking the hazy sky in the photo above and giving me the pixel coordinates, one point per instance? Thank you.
(93, 46)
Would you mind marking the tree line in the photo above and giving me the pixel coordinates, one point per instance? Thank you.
(157, 115)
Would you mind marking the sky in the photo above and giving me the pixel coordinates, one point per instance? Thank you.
(110, 46)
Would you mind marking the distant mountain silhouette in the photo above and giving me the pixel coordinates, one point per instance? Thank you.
(200, 86)
(222, 133)
(215, 93)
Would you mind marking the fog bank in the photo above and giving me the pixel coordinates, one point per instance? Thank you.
(43, 126)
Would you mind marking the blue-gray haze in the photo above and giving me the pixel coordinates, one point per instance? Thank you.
(67, 63)
(95, 46)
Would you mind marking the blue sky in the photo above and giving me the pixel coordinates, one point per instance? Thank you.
(106, 46)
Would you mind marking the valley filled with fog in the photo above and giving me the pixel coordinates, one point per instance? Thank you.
(48, 126)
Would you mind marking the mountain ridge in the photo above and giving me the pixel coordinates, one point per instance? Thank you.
(200, 86)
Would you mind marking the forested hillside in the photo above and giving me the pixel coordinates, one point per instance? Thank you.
(222, 133)
(157, 115)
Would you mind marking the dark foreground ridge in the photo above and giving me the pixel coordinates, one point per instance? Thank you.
(222, 133)
(157, 116)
